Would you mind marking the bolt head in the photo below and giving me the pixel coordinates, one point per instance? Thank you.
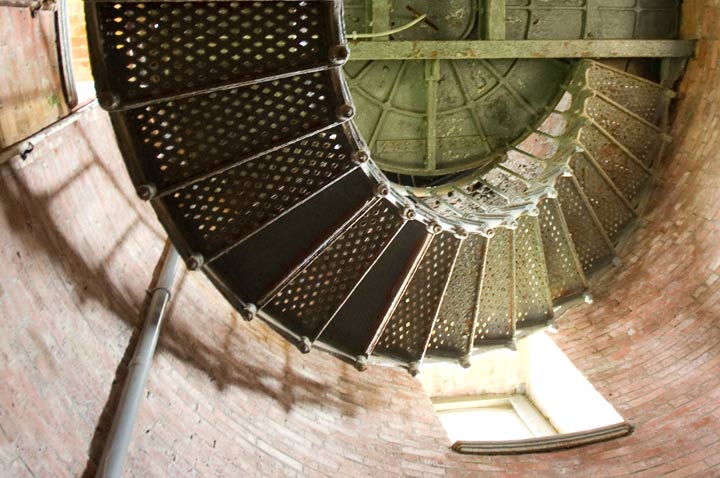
(339, 55)
(361, 363)
(249, 312)
(346, 112)
(108, 100)
(304, 345)
(146, 191)
(382, 190)
(195, 262)
(465, 361)
(414, 369)
(360, 156)
(408, 213)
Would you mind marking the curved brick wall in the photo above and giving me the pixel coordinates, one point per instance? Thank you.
(227, 398)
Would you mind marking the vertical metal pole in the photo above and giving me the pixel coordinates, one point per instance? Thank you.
(116, 447)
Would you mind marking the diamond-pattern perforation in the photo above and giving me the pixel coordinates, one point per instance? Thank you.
(610, 210)
(587, 237)
(623, 171)
(643, 98)
(638, 137)
(410, 324)
(453, 328)
(564, 276)
(495, 308)
(154, 49)
(227, 207)
(182, 138)
(533, 304)
(312, 297)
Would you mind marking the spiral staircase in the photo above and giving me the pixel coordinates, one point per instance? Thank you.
(236, 123)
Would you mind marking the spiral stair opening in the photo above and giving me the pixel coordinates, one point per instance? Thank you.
(236, 122)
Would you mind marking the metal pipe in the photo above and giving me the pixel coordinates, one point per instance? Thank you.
(25, 146)
(116, 446)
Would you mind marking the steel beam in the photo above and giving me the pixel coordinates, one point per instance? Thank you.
(116, 447)
(496, 49)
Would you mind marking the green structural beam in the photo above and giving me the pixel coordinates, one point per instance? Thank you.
(496, 49)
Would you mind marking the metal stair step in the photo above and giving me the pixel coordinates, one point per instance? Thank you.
(310, 300)
(611, 208)
(533, 302)
(176, 143)
(644, 98)
(217, 213)
(593, 248)
(452, 334)
(629, 175)
(565, 274)
(358, 324)
(146, 52)
(494, 322)
(411, 322)
(262, 263)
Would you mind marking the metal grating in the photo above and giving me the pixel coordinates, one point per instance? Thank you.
(645, 99)
(609, 208)
(533, 304)
(451, 334)
(225, 208)
(314, 295)
(523, 165)
(155, 49)
(638, 137)
(408, 330)
(495, 307)
(180, 139)
(627, 175)
(505, 182)
(588, 237)
(564, 273)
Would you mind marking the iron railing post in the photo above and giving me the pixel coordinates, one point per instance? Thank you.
(118, 441)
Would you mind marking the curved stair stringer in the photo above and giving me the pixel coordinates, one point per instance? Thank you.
(263, 182)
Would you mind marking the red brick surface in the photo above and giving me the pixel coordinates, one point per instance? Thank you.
(231, 399)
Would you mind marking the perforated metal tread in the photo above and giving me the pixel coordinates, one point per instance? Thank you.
(178, 142)
(610, 208)
(220, 211)
(311, 299)
(626, 172)
(565, 274)
(646, 99)
(639, 137)
(590, 242)
(495, 316)
(451, 336)
(255, 267)
(533, 303)
(145, 51)
(408, 330)
(357, 326)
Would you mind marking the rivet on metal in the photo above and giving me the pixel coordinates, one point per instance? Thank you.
(512, 225)
(588, 298)
(487, 232)
(339, 55)
(346, 111)
(195, 262)
(361, 363)
(533, 211)
(146, 191)
(382, 190)
(465, 361)
(304, 345)
(435, 228)
(108, 100)
(249, 312)
(551, 192)
(414, 368)
(408, 213)
(360, 156)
